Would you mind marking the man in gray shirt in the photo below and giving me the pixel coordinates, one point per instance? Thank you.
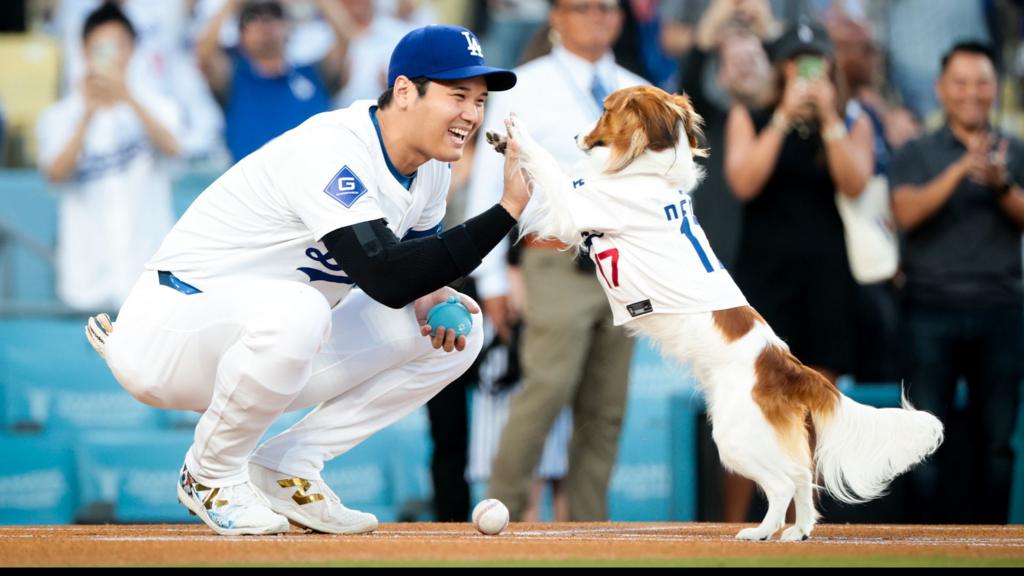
(958, 200)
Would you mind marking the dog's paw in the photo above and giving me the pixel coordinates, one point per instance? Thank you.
(796, 534)
(753, 534)
(516, 129)
(498, 141)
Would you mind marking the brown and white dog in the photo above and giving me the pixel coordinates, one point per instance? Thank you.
(761, 400)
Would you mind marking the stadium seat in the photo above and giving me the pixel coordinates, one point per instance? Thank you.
(644, 481)
(130, 477)
(28, 235)
(1017, 485)
(28, 224)
(409, 458)
(29, 83)
(50, 378)
(641, 481)
(37, 481)
(364, 479)
(187, 188)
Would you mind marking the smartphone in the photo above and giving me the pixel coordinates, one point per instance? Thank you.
(810, 67)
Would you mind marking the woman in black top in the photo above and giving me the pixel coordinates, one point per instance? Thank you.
(786, 164)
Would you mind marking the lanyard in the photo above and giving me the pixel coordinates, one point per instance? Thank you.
(581, 94)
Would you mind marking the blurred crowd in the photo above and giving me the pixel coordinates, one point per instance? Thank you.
(817, 112)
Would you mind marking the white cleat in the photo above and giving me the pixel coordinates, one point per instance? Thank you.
(97, 329)
(232, 510)
(309, 503)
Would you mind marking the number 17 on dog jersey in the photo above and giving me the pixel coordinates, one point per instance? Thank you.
(633, 231)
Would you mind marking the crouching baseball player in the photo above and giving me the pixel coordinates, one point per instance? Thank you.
(248, 309)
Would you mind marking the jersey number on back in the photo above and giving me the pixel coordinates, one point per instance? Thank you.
(686, 228)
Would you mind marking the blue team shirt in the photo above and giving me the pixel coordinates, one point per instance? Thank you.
(260, 108)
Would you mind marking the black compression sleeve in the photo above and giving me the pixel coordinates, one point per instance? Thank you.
(395, 273)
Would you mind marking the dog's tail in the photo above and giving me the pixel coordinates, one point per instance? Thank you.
(548, 214)
(861, 449)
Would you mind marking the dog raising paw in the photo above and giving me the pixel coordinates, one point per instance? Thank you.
(515, 130)
(497, 141)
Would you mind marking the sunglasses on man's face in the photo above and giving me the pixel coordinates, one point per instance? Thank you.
(587, 7)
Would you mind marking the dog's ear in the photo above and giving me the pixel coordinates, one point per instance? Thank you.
(631, 135)
(692, 122)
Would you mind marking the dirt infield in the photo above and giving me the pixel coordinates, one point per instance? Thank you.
(611, 544)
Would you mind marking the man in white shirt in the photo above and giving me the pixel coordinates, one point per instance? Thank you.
(160, 63)
(105, 146)
(375, 34)
(248, 308)
(572, 353)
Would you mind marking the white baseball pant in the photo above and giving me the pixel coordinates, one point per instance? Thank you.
(247, 349)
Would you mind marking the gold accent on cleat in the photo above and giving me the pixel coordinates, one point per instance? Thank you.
(300, 495)
(209, 502)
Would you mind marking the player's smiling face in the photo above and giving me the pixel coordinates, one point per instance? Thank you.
(448, 115)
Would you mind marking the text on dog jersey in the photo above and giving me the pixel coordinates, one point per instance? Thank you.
(687, 228)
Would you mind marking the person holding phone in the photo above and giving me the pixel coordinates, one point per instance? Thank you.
(104, 147)
(785, 163)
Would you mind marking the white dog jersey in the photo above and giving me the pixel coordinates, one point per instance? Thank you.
(267, 215)
(635, 222)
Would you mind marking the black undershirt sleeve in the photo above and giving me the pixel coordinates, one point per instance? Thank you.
(396, 273)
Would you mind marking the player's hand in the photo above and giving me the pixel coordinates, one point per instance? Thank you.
(516, 192)
(443, 338)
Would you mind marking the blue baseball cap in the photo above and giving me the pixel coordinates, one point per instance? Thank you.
(445, 53)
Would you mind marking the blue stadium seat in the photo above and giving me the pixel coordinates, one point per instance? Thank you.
(37, 480)
(363, 477)
(684, 410)
(641, 481)
(50, 378)
(188, 186)
(130, 477)
(1017, 485)
(644, 483)
(410, 456)
(28, 223)
(28, 233)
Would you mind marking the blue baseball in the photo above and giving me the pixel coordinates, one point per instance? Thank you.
(452, 315)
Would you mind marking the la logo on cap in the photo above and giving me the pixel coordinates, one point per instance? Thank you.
(475, 49)
(805, 33)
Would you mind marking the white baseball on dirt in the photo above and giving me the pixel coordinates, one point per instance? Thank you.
(490, 517)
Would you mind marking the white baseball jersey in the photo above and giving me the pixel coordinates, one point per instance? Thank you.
(553, 98)
(267, 215)
(116, 207)
(651, 254)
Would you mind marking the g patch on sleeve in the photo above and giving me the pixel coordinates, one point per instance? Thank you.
(345, 187)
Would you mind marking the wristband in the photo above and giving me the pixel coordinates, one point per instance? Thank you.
(834, 132)
(780, 123)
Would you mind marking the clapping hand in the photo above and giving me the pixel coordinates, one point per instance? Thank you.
(987, 161)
